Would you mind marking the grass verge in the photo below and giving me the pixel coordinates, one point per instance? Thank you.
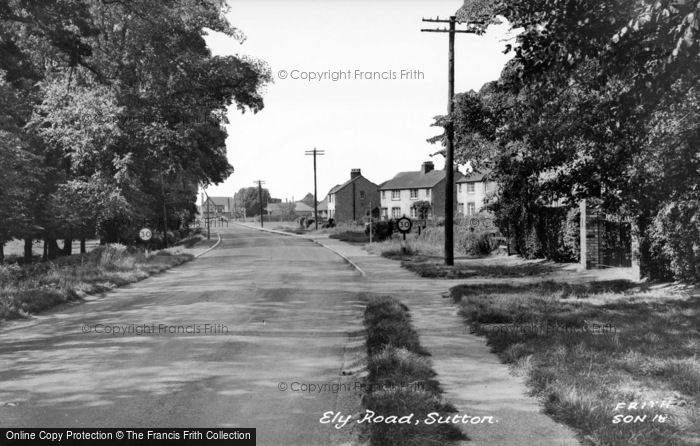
(436, 269)
(591, 351)
(351, 237)
(37, 287)
(401, 380)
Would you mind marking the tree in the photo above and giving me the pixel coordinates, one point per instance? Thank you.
(599, 102)
(120, 99)
(248, 197)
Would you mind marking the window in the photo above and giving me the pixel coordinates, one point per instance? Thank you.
(414, 194)
(459, 188)
(470, 188)
(395, 212)
(385, 213)
(362, 195)
(460, 208)
(383, 195)
(413, 212)
(395, 194)
(427, 193)
(471, 208)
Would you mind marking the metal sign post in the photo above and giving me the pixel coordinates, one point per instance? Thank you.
(404, 225)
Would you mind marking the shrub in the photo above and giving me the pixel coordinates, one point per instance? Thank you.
(675, 239)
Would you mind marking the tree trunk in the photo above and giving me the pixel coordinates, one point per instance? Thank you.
(82, 246)
(28, 250)
(67, 247)
(45, 255)
(2, 252)
(53, 250)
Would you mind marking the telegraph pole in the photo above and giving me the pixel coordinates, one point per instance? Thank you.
(315, 152)
(449, 128)
(260, 183)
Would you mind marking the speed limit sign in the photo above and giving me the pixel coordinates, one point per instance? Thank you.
(404, 224)
(145, 234)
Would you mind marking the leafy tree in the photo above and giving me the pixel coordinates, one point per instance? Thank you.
(599, 102)
(249, 199)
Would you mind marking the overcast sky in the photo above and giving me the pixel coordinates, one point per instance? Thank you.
(377, 125)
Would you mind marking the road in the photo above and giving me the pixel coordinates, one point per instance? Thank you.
(280, 309)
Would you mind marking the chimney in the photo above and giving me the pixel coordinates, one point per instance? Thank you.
(354, 173)
(426, 167)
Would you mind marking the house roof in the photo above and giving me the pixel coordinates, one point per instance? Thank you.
(302, 207)
(341, 186)
(416, 180)
(323, 205)
(475, 177)
(221, 201)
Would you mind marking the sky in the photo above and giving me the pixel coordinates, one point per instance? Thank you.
(377, 122)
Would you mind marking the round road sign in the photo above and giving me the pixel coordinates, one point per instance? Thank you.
(145, 234)
(404, 224)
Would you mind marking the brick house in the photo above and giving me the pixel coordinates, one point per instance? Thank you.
(351, 200)
(472, 193)
(400, 193)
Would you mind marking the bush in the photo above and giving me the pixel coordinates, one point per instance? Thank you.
(675, 239)
(381, 230)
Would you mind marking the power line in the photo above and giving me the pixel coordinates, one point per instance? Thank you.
(472, 28)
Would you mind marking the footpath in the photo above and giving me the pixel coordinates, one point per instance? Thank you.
(474, 379)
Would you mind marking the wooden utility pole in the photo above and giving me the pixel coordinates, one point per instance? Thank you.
(260, 183)
(449, 128)
(315, 152)
(207, 213)
(165, 213)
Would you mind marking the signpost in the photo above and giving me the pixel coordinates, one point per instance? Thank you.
(404, 225)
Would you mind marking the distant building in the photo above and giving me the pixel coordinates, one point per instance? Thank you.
(218, 206)
(303, 210)
(406, 188)
(351, 200)
(472, 192)
(323, 209)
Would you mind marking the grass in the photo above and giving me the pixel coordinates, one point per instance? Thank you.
(461, 270)
(37, 287)
(401, 380)
(585, 348)
(351, 237)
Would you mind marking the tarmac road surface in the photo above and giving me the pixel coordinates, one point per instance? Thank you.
(260, 313)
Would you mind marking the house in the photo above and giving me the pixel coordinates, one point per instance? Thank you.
(400, 193)
(323, 209)
(352, 200)
(302, 209)
(218, 206)
(473, 191)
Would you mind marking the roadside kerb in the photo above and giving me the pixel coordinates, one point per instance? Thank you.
(209, 249)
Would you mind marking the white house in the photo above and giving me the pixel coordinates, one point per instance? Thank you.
(472, 192)
(399, 194)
